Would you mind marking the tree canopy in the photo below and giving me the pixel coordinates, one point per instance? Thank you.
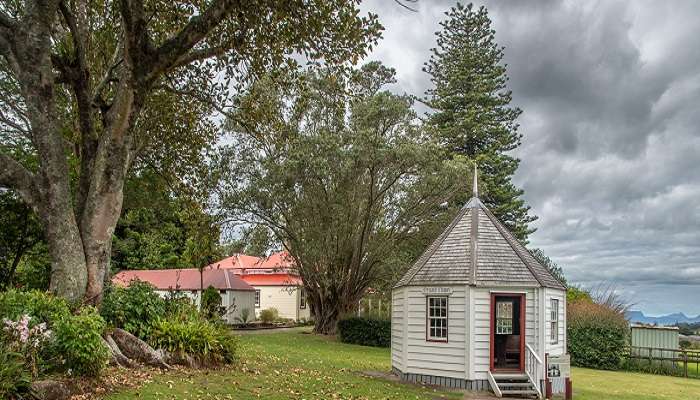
(91, 89)
(342, 173)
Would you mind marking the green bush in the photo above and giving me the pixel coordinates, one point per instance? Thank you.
(245, 317)
(365, 331)
(78, 340)
(597, 335)
(180, 307)
(41, 306)
(14, 378)
(269, 315)
(207, 342)
(134, 308)
(211, 303)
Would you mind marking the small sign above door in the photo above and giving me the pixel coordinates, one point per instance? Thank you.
(446, 291)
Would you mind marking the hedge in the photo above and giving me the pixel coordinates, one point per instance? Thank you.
(597, 336)
(365, 331)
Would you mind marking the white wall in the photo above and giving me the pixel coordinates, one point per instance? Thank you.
(560, 346)
(240, 298)
(435, 358)
(285, 299)
(397, 328)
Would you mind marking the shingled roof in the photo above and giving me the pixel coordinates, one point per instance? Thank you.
(476, 249)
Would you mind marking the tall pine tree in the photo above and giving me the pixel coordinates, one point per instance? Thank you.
(472, 111)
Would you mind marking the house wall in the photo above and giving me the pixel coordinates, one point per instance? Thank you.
(559, 347)
(445, 359)
(285, 299)
(398, 320)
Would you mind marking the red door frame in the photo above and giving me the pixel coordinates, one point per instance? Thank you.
(493, 330)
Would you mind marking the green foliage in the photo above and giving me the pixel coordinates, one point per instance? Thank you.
(211, 303)
(206, 341)
(158, 224)
(365, 331)
(20, 238)
(357, 178)
(575, 294)
(14, 377)
(180, 307)
(551, 266)
(597, 335)
(269, 315)
(473, 116)
(246, 316)
(134, 308)
(41, 306)
(253, 241)
(78, 340)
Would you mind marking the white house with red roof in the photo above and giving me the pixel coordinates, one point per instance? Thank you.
(276, 282)
(236, 294)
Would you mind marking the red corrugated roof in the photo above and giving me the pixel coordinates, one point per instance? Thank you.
(183, 279)
(277, 260)
(272, 280)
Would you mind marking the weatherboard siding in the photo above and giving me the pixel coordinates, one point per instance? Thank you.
(397, 328)
(425, 357)
(559, 347)
(283, 298)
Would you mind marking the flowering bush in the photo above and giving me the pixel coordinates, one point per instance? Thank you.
(26, 340)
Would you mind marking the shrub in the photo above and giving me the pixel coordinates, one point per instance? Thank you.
(365, 331)
(14, 378)
(179, 307)
(269, 315)
(78, 339)
(29, 342)
(134, 308)
(245, 317)
(597, 335)
(207, 342)
(41, 306)
(211, 303)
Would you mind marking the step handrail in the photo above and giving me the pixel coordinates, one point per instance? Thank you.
(494, 385)
(534, 368)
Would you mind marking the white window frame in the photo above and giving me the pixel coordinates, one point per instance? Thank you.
(554, 321)
(434, 306)
(257, 298)
(504, 323)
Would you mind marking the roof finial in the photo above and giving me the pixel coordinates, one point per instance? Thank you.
(476, 184)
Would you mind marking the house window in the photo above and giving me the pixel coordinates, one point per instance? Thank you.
(554, 321)
(504, 318)
(302, 299)
(437, 319)
(257, 298)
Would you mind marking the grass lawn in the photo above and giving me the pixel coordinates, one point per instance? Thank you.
(289, 365)
(593, 385)
(294, 365)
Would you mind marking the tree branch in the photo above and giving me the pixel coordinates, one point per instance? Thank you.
(172, 50)
(6, 21)
(15, 176)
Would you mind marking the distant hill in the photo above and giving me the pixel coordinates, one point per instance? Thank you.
(670, 319)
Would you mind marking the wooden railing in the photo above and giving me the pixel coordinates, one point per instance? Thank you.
(534, 368)
(677, 362)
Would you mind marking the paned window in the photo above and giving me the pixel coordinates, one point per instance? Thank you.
(437, 319)
(257, 298)
(302, 299)
(504, 318)
(554, 321)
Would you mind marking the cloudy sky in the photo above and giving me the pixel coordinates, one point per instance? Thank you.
(610, 93)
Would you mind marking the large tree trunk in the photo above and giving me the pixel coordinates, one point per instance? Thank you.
(328, 310)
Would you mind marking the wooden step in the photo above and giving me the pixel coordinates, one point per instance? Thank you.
(519, 393)
(511, 377)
